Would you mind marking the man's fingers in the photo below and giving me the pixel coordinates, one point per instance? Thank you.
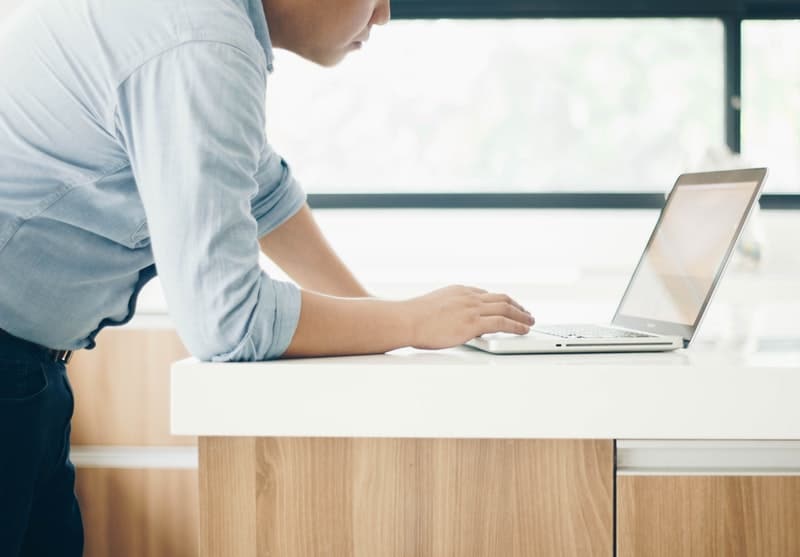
(493, 297)
(505, 309)
(499, 324)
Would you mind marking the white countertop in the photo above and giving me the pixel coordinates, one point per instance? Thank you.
(739, 380)
(723, 387)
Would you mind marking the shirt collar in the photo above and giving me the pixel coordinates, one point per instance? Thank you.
(255, 10)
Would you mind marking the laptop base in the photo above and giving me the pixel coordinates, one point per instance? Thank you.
(537, 343)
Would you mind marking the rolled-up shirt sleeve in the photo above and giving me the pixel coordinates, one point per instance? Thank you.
(279, 195)
(192, 122)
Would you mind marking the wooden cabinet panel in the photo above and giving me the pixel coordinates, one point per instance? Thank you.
(122, 388)
(297, 497)
(139, 513)
(708, 516)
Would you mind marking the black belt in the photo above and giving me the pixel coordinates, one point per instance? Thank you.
(56, 355)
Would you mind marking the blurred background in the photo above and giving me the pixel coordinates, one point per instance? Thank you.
(526, 105)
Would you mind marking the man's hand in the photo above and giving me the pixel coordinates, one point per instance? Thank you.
(331, 326)
(453, 315)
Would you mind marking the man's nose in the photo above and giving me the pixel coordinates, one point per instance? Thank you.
(382, 13)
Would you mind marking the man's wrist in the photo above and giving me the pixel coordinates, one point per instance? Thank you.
(404, 321)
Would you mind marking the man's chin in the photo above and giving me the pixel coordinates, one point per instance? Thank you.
(327, 59)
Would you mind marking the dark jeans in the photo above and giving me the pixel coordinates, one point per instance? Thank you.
(39, 513)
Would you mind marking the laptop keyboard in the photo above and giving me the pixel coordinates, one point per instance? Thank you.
(587, 331)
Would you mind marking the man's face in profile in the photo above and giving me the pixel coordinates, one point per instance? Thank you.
(325, 31)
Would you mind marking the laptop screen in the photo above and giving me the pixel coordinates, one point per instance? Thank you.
(687, 251)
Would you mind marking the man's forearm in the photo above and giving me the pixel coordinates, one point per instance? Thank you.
(331, 326)
(301, 250)
(446, 317)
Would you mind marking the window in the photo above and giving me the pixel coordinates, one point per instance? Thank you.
(771, 100)
(526, 105)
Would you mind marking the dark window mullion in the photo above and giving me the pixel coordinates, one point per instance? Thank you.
(423, 9)
(542, 200)
(733, 83)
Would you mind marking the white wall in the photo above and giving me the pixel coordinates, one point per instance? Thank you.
(543, 257)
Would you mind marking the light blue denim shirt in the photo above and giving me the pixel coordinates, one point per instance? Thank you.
(132, 139)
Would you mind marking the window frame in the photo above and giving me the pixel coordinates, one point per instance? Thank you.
(732, 13)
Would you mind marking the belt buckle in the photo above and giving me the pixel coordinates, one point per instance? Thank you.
(62, 355)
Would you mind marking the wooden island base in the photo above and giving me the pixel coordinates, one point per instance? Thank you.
(359, 497)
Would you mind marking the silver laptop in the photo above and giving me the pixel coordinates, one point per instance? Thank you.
(674, 281)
